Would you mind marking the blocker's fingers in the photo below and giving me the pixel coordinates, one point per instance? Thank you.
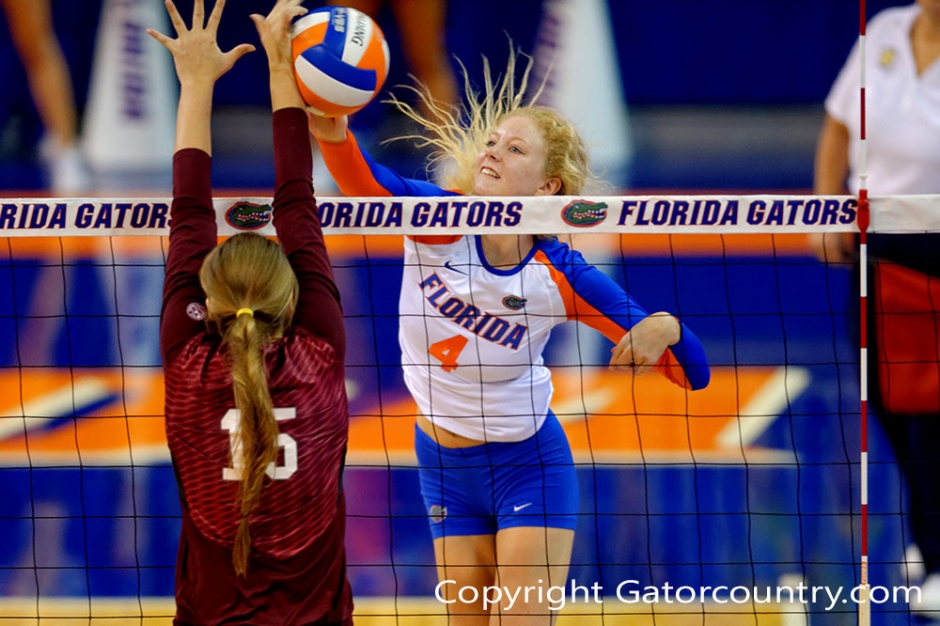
(175, 18)
(212, 26)
(166, 41)
(233, 55)
(199, 14)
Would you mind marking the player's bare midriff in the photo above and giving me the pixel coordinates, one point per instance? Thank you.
(444, 437)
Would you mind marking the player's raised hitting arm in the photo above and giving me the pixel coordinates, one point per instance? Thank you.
(354, 171)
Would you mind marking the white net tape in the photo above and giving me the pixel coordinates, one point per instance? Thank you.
(717, 214)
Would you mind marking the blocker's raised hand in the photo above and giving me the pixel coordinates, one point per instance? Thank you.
(195, 50)
(274, 28)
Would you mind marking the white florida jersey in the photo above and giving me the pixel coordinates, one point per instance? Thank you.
(472, 335)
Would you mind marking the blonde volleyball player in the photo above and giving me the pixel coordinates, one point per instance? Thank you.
(253, 341)
(496, 470)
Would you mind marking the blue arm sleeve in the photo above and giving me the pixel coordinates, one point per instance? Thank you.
(690, 353)
(595, 299)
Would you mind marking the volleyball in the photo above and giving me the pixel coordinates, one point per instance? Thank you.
(340, 59)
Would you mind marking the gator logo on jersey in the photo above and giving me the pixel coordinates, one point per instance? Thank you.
(583, 213)
(437, 513)
(248, 216)
(514, 302)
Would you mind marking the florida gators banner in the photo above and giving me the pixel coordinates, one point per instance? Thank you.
(487, 215)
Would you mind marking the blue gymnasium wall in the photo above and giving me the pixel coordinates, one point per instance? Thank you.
(673, 52)
(113, 531)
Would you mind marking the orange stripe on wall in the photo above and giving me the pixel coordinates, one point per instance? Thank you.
(695, 245)
(623, 413)
(68, 248)
(134, 419)
(391, 245)
(636, 414)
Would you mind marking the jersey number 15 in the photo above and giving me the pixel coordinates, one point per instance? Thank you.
(231, 422)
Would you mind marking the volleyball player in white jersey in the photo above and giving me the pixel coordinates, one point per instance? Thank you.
(902, 69)
(496, 470)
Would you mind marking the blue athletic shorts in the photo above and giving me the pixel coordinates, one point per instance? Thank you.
(482, 489)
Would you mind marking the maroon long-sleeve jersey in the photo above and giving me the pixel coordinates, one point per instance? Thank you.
(297, 569)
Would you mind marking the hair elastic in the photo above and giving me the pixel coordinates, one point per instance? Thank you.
(248, 312)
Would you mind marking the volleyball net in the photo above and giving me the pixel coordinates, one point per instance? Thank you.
(706, 505)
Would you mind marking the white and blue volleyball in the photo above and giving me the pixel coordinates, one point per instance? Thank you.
(340, 59)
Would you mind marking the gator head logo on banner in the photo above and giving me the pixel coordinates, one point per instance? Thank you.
(583, 213)
(248, 216)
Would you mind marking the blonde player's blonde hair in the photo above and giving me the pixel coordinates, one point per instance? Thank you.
(456, 143)
(251, 293)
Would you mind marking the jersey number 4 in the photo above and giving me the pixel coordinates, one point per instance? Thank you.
(447, 351)
(231, 421)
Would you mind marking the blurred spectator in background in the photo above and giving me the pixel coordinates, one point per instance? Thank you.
(50, 84)
(903, 131)
(421, 26)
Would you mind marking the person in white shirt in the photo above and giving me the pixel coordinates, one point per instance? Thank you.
(902, 69)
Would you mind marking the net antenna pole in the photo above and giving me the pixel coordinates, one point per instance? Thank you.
(864, 606)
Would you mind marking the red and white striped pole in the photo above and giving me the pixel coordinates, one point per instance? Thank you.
(864, 607)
